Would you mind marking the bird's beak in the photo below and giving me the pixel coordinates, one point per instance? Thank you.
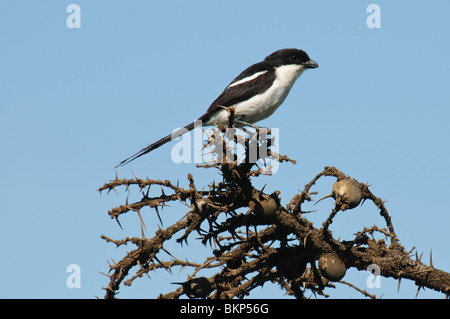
(310, 64)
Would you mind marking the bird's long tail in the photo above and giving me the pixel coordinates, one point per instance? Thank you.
(157, 144)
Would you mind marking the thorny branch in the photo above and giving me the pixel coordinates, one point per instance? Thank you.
(254, 239)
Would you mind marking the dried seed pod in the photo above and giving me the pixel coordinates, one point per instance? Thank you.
(332, 267)
(263, 205)
(199, 287)
(347, 193)
(203, 206)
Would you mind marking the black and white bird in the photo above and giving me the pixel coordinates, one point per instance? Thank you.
(254, 94)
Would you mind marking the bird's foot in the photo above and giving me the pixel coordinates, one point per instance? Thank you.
(256, 127)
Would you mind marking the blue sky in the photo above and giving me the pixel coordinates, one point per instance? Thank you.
(75, 102)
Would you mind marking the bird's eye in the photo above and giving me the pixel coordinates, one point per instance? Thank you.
(294, 57)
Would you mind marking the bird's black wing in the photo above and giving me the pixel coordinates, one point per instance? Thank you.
(238, 93)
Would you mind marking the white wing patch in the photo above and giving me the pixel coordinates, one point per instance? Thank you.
(249, 78)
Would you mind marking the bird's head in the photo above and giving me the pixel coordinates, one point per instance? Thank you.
(291, 57)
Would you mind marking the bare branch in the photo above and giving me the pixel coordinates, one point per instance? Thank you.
(265, 241)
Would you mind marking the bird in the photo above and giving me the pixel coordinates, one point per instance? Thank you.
(253, 95)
